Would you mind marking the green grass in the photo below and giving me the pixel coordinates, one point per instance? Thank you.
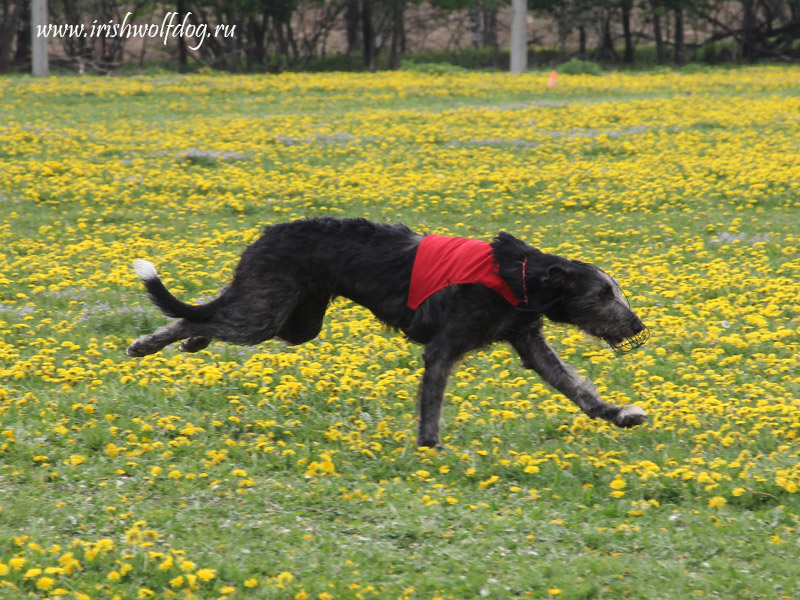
(292, 472)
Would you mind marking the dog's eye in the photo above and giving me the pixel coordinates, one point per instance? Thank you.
(607, 292)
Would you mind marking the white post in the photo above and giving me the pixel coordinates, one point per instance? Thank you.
(519, 36)
(39, 43)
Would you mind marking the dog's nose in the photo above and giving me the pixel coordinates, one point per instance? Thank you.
(637, 326)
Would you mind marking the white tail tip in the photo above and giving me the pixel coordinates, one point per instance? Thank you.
(145, 270)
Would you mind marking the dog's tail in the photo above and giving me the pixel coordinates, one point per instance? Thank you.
(165, 301)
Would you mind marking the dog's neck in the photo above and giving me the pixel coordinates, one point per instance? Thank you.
(525, 268)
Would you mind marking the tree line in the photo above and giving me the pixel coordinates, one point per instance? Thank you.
(272, 35)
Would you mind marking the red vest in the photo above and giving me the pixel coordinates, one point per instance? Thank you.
(443, 261)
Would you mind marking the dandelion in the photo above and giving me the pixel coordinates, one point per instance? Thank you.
(717, 502)
(167, 563)
(488, 482)
(617, 486)
(44, 583)
(206, 574)
(187, 566)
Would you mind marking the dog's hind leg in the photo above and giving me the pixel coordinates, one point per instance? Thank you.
(252, 313)
(153, 342)
(246, 317)
(195, 344)
(305, 321)
(537, 354)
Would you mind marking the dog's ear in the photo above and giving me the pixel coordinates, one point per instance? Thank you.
(546, 286)
(558, 276)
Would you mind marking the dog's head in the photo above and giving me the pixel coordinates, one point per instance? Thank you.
(593, 301)
(569, 291)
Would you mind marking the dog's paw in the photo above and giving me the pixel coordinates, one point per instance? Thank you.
(429, 443)
(137, 349)
(630, 416)
(194, 344)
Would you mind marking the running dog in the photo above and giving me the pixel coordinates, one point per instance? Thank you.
(453, 295)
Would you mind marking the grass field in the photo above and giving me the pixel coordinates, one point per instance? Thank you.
(276, 472)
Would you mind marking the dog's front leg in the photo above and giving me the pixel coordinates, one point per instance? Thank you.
(537, 354)
(438, 363)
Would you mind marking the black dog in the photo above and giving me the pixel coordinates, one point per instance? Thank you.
(285, 280)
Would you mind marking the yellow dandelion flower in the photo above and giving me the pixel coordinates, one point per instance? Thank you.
(717, 502)
(206, 574)
(167, 563)
(187, 565)
(488, 482)
(44, 583)
(284, 577)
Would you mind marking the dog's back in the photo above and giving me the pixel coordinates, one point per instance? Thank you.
(369, 263)
(325, 239)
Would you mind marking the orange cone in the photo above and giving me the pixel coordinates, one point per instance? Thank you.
(551, 83)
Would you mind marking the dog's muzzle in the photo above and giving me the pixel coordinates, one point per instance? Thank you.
(631, 343)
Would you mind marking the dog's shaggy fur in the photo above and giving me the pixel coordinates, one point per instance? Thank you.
(285, 280)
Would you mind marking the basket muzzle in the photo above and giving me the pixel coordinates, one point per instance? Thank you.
(631, 343)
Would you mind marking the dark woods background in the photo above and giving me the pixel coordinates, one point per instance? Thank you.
(274, 35)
